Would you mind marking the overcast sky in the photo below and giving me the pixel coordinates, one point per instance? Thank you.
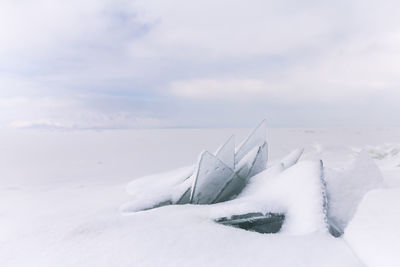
(209, 63)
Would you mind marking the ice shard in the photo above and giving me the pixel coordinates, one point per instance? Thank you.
(231, 189)
(215, 178)
(292, 158)
(260, 162)
(226, 153)
(244, 166)
(214, 183)
(185, 198)
(256, 221)
(254, 164)
(223, 176)
(255, 139)
(211, 177)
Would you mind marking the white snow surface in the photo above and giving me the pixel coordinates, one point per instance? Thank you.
(374, 233)
(291, 158)
(347, 187)
(151, 190)
(296, 192)
(60, 193)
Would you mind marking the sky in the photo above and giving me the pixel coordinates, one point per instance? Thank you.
(83, 64)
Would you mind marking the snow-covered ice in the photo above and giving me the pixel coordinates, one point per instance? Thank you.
(269, 191)
(374, 232)
(60, 195)
(216, 178)
(346, 188)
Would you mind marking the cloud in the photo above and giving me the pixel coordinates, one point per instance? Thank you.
(75, 113)
(213, 88)
(233, 28)
(143, 63)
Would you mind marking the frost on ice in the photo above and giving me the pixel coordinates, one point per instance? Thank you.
(283, 197)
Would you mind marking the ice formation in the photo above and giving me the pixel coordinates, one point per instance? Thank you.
(215, 178)
(346, 189)
(211, 178)
(296, 193)
(256, 221)
(285, 197)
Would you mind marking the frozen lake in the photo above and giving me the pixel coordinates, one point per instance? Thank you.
(60, 194)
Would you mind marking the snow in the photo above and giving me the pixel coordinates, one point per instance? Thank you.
(374, 233)
(291, 158)
(60, 195)
(388, 157)
(346, 188)
(297, 192)
(151, 190)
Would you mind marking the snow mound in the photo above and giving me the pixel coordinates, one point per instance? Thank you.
(249, 194)
(296, 192)
(346, 188)
(387, 156)
(374, 232)
(157, 189)
(186, 235)
(389, 152)
(291, 158)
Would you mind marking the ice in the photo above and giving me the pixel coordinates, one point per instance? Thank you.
(87, 176)
(214, 179)
(217, 178)
(256, 221)
(260, 161)
(296, 192)
(185, 198)
(256, 139)
(346, 189)
(244, 166)
(292, 158)
(231, 189)
(226, 153)
(211, 177)
(387, 156)
(250, 165)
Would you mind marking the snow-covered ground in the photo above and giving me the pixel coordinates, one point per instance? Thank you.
(60, 194)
